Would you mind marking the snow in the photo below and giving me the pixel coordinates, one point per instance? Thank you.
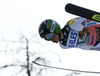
(22, 18)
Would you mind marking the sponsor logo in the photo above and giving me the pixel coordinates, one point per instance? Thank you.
(88, 20)
(93, 23)
(92, 40)
(83, 23)
(72, 39)
(52, 27)
(96, 17)
(41, 31)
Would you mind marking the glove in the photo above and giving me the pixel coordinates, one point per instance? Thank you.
(84, 33)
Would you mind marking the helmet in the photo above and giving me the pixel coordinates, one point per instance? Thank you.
(48, 28)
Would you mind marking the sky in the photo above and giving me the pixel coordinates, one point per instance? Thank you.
(23, 17)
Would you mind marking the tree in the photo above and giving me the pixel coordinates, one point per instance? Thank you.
(22, 58)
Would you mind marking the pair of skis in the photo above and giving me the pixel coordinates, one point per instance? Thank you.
(83, 12)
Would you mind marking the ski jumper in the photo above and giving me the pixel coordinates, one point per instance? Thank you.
(71, 31)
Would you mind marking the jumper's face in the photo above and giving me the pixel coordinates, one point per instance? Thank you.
(55, 39)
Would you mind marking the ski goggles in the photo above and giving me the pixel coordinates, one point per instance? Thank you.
(49, 36)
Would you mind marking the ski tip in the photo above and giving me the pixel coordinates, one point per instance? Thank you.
(68, 6)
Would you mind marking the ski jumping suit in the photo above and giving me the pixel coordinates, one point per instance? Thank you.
(71, 31)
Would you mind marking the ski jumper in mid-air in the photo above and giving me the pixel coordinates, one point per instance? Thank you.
(77, 33)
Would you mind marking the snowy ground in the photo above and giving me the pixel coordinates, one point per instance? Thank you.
(22, 17)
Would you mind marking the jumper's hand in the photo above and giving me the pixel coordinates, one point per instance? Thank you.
(84, 33)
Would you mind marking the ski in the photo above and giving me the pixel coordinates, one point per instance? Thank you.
(83, 12)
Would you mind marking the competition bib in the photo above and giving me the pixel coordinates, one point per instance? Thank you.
(72, 39)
